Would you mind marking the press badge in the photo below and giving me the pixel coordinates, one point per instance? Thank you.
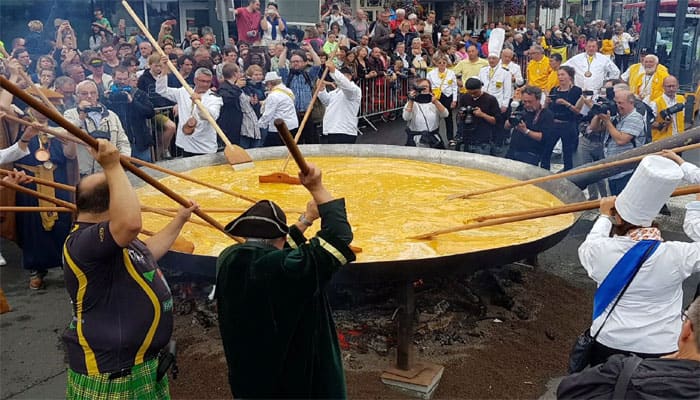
(499, 85)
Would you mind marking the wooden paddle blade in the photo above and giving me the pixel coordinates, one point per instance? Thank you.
(356, 249)
(183, 246)
(279, 177)
(237, 157)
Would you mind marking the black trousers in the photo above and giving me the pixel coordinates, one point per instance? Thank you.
(449, 124)
(309, 135)
(274, 139)
(338, 138)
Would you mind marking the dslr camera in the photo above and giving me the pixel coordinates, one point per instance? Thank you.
(516, 117)
(466, 115)
(669, 112)
(603, 105)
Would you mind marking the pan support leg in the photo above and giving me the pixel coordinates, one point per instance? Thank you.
(413, 377)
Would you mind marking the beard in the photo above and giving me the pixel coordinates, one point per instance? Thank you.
(650, 71)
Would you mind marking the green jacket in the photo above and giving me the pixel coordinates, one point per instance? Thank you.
(276, 324)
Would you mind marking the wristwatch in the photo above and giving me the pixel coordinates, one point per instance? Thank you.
(303, 220)
(527, 132)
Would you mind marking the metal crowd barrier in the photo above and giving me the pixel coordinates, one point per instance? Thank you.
(382, 95)
(156, 124)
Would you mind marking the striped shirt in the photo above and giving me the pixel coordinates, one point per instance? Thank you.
(631, 124)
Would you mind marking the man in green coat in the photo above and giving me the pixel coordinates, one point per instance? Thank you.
(276, 324)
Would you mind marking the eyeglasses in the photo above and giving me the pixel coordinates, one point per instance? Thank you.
(85, 94)
(422, 88)
(684, 316)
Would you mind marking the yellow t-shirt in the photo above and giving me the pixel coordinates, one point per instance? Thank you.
(538, 73)
(469, 69)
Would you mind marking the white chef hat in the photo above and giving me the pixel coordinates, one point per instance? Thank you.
(648, 190)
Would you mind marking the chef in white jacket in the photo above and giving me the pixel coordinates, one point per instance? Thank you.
(647, 319)
(691, 175)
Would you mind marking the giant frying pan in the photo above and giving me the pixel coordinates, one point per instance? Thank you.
(201, 267)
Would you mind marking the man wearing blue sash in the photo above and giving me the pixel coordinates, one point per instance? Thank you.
(625, 253)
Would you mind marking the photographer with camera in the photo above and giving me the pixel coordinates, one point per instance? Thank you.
(532, 125)
(477, 117)
(134, 108)
(562, 102)
(248, 22)
(623, 132)
(94, 118)
(668, 109)
(423, 112)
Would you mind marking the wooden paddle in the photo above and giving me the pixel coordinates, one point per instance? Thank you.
(171, 214)
(298, 157)
(152, 166)
(92, 142)
(567, 173)
(539, 213)
(283, 177)
(181, 245)
(44, 182)
(39, 195)
(235, 155)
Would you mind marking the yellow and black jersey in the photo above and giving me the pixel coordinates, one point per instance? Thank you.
(122, 306)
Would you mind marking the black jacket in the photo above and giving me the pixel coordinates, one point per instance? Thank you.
(133, 116)
(654, 378)
(231, 115)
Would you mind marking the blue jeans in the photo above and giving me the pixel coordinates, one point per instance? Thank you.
(524, 156)
(616, 185)
(144, 155)
(478, 148)
(249, 143)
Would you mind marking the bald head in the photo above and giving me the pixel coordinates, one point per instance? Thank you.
(670, 86)
(92, 194)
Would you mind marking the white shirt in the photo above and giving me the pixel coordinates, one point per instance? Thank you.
(106, 81)
(203, 139)
(342, 106)
(500, 85)
(625, 76)
(670, 101)
(422, 114)
(622, 42)
(691, 175)
(448, 85)
(647, 318)
(601, 67)
(516, 72)
(279, 104)
(12, 154)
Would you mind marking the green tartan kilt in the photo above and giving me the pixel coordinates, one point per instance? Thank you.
(140, 384)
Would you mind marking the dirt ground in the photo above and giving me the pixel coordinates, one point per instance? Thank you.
(505, 338)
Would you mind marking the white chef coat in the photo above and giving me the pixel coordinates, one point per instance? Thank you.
(500, 85)
(203, 139)
(279, 104)
(342, 106)
(601, 67)
(647, 318)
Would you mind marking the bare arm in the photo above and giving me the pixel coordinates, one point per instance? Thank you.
(160, 243)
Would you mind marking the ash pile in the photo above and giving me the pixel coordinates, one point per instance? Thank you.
(450, 311)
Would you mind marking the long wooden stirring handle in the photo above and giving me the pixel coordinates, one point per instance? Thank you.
(202, 109)
(39, 195)
(291, 145)
(92, 142)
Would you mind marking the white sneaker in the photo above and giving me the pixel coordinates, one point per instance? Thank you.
(2, 261)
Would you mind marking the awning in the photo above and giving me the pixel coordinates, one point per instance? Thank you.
(664, 3)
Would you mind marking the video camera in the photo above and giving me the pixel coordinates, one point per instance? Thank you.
(669, 112)
(421, 98)
(603, 105)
